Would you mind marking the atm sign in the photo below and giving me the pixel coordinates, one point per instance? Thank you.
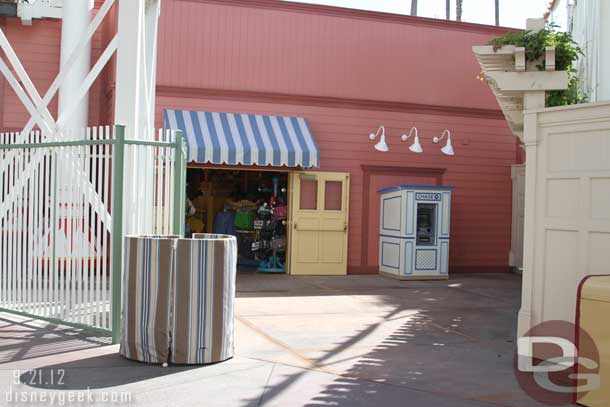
(428, 196)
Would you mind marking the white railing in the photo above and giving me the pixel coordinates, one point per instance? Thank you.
(64, 209)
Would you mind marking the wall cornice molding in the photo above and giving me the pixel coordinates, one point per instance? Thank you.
(326, 101)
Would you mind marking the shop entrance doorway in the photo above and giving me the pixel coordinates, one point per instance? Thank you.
(285, 222)
(249, 204)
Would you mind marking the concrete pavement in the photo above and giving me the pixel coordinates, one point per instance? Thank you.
(300, 341)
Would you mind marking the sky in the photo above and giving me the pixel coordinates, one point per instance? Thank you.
(512, 12)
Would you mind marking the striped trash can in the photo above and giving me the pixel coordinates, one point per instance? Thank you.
(204, 293)
(148, 264)
(178, 295)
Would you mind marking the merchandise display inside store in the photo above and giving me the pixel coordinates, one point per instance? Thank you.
(251, 205)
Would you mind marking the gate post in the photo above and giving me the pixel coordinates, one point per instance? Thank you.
(179, 184)
(118, 161)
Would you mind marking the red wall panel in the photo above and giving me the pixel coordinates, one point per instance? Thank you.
(480, 171)
(290, 50)
(346, 72)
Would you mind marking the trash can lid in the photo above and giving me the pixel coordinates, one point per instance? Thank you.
(596, 288)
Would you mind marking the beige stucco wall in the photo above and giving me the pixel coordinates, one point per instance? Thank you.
(567, 208)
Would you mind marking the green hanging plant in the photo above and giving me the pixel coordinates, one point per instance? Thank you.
(567, 53)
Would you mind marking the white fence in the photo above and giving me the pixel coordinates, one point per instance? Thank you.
(64, 209)
(567, 208)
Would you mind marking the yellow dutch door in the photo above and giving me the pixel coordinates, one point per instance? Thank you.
(319, 223)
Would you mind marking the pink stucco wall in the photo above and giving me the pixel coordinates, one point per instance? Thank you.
(300, 50)
(346, 72)
(480, 171)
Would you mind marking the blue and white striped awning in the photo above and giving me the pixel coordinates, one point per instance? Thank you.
(227, 138)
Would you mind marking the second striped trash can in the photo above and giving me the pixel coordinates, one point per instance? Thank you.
(204, 293)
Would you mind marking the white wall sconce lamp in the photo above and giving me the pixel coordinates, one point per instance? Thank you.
(381, 145)
(415, 147)
(448, 148)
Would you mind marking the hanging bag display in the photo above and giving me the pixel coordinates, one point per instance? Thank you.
(280, 212)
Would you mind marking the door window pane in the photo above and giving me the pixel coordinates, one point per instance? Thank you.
(333, 195)
(309, 194)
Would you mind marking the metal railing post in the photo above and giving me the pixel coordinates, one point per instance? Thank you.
(179, 185)
(118, 167)
(54, 217)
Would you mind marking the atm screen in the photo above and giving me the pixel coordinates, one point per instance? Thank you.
(426, 224)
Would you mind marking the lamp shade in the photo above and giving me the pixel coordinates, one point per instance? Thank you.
(382, 146)
(448, 149)
(416, 147)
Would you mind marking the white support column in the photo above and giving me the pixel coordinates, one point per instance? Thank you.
(136, 65)
(76, 17)
(135, 103)
(127, 109)
(75, 22)
(152, 26)
(520, 89)
(531, 101)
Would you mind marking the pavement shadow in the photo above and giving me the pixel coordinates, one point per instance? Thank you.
(24, 338)
(350, 389)
(371, 379)
(399, 366)
(101, 372)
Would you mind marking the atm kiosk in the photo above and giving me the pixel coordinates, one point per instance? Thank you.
(414, 232)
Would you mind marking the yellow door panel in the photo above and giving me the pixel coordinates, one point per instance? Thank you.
(308, 223)
(318, 223)
(332, 247)
(332, 224)
(307, 247)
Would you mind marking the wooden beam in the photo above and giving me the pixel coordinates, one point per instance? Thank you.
(529, 81)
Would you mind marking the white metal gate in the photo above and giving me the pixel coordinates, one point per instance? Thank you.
(64, 208)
